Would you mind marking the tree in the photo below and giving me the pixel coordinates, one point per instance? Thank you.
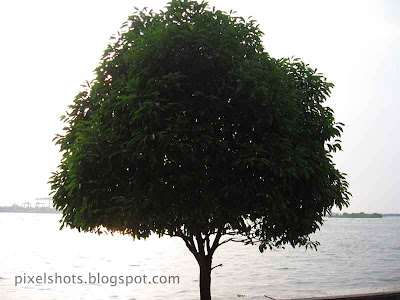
(192, 130)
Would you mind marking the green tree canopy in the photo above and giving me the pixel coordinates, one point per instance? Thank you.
(191, 129)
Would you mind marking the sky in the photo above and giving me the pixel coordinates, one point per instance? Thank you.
(49, 48)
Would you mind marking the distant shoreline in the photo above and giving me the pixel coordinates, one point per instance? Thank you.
(50, 210)
(363, 215)
(35, 210)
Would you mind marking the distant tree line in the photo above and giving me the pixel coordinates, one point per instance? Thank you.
(358, 215)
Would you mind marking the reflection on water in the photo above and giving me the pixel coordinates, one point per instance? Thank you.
(356, 255)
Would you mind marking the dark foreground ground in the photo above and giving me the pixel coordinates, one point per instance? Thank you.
(395, 295)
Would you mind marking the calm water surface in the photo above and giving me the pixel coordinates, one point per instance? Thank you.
(356, 255)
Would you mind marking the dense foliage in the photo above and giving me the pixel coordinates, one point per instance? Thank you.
(191, 129)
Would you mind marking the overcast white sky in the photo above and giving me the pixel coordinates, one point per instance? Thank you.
(48, 48)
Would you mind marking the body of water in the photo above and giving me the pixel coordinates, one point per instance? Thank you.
(355, 256)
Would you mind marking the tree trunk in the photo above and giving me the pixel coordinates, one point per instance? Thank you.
(205, 277)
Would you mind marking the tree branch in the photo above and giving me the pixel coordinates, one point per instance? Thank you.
(189, 244)
(225, 241)
(220, 265)
(216, 244)
(200, 243)
(207, 238)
